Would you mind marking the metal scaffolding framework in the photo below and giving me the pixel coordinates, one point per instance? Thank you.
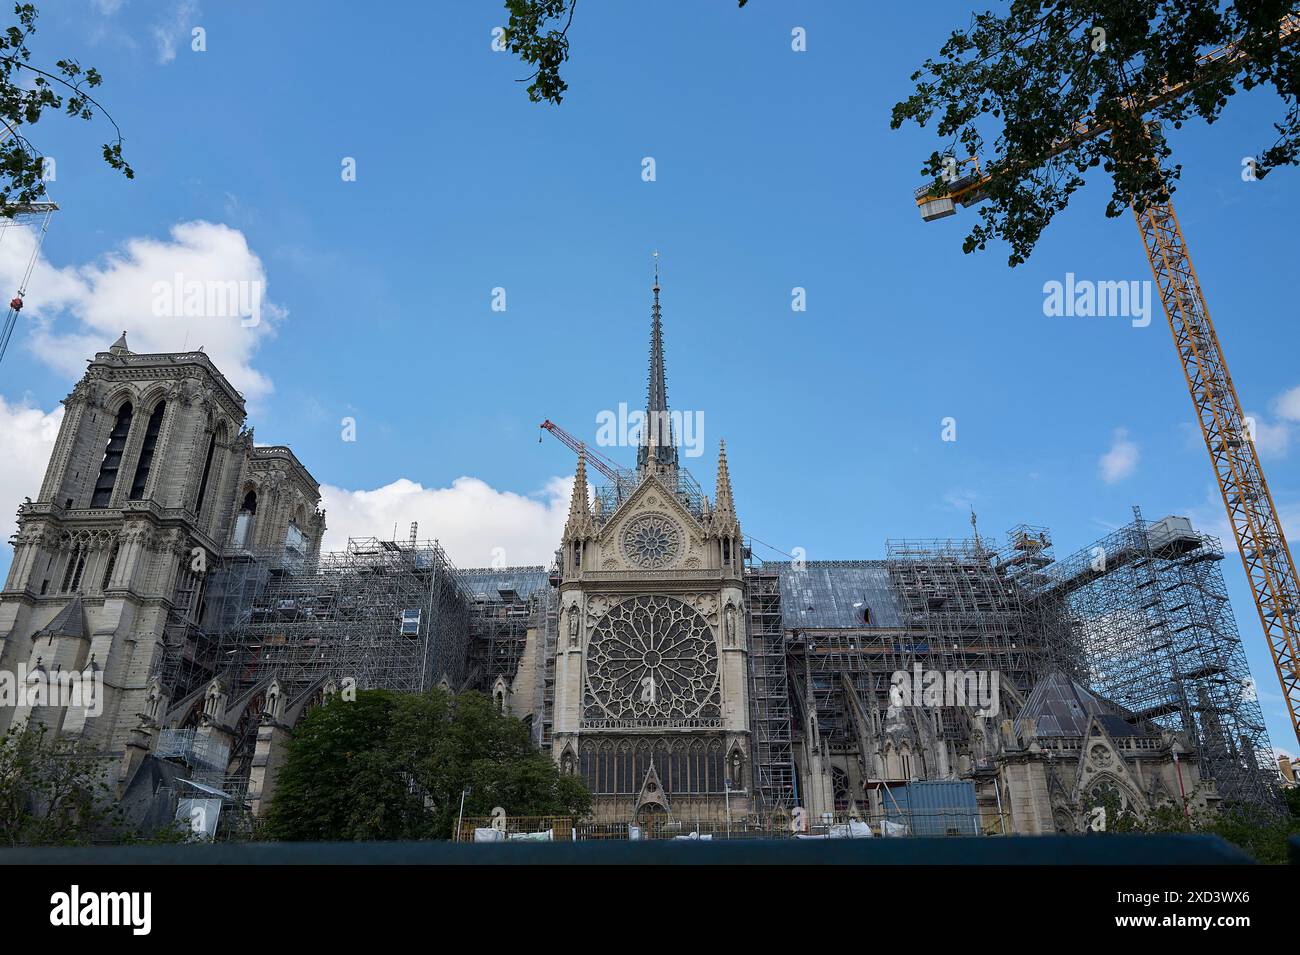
(1142, 617)
(1159, 638)
(504, 605)
(383, 613)
(379, 614)
(769, 693)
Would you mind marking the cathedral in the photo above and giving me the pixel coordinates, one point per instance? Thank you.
(951, 687)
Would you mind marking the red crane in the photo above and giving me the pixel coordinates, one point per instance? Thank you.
(604, 465)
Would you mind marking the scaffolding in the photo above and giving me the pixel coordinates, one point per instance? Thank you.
(974, 608)
(376, 615)
(1159, 638)
(504, 606)
(384, 614)
(608, 497)
(848, 627)
(548, 612)
(769, 693)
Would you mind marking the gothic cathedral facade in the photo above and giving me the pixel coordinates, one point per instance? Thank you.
(153, 481)
(651, 672)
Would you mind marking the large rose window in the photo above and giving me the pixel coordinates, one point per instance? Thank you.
(652, 658)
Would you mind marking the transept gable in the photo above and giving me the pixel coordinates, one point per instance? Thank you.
(654, 519)
(1102, 766)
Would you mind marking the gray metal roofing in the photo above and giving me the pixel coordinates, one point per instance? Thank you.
(523, 580)
(1061, 707)
(833, 594)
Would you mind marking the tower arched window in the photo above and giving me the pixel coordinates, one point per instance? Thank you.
(112, 458)
(76, 567)
(146, 452)
(207, 471)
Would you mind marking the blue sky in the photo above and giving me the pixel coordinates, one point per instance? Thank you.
(775, 169)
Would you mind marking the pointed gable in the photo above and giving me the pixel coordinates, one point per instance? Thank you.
(652, 485)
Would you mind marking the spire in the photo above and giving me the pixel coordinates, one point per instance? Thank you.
(657, 428)
(119, 347)
(579, 513)
(722, 496)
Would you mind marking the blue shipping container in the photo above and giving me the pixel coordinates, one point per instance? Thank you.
(943, 808)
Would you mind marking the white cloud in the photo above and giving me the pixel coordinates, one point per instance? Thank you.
(470, 519)
(960, 499)
(1287, 404)
(1270, 439)
(1121, 460)
(27, 435)
(178, 23)
(76, 311)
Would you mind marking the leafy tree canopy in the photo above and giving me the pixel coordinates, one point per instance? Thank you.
(26, 92)
(51, 793)
(393, 766)
(1010, 86)
(538, 33)
(1259, 834)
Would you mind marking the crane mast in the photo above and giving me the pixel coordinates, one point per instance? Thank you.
(1229, 437)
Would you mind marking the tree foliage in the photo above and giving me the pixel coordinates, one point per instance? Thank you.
(534, 34)
(1010, 86)
(26, 92)
(51, 792)
(393, 766)
(1262, 836)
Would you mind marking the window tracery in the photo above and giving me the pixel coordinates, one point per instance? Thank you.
(652, 659)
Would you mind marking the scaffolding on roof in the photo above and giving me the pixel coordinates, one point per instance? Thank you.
(382, 613)
(608, 497)
(378, 614)
(503, 607)
(1159, 638)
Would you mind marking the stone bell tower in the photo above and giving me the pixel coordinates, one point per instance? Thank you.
(140, 500)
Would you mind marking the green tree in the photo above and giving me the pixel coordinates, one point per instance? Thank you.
(52, 793)
(26, 92)
(1263, 836)
(534, 34)
(1010, 86)
(393, 766)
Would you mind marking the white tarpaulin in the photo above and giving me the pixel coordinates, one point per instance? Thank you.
(199, 815)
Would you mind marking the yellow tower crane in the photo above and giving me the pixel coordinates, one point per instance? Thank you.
(1228, 438)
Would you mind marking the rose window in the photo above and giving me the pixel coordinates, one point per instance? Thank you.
(652, 658)
(651, 541)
